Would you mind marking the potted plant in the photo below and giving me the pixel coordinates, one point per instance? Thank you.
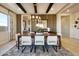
(39, 31)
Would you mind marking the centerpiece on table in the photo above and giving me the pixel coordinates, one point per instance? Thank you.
(39, 31)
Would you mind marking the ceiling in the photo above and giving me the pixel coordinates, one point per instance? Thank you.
(72, 9)
(40, 7)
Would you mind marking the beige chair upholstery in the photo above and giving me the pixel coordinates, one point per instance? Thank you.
(26, 40)
(39, 40)
(52, 40)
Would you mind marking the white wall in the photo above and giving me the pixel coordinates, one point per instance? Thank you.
(58, 24)
(74, 32)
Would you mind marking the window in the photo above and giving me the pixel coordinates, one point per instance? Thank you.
(3, 22)
(3, 19)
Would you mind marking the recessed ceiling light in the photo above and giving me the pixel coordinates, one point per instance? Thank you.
(67, 10)
(18, 9)
(51, 8)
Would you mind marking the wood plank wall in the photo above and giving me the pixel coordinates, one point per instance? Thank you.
(51, 21)
(18, 21)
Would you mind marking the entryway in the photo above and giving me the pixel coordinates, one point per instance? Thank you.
(65, 26)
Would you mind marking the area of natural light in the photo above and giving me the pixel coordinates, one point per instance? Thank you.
(3, 19)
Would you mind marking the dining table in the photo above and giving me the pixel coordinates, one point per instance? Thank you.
(50, 34)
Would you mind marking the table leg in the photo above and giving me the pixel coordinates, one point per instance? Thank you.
(59, 41)
(35, 49)
(18, 41)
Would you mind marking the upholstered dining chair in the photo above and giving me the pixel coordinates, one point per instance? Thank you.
(39, 41)
(52, 41)
(26, 41)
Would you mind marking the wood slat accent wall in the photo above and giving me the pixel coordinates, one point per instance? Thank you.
(51, 21)
(18, 21)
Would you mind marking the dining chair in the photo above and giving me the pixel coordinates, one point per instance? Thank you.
(39, 41)
(52, 41)
(26, 41)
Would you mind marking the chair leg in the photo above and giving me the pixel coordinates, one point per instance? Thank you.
(31, 49)
(46, 46)
(55, 48)
(23, 49)
(35, 49)
(60, 47)
(47, 49)
(43, 48)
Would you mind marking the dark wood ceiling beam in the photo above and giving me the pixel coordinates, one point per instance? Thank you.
(49, 7)
(35, 7)
(21, 7)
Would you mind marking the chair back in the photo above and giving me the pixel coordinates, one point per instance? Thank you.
(26, 40)
(39, 40)
(52, 40)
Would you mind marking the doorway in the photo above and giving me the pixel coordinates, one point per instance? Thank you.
(65, 26)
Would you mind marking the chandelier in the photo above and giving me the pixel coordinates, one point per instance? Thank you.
(36, 19)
